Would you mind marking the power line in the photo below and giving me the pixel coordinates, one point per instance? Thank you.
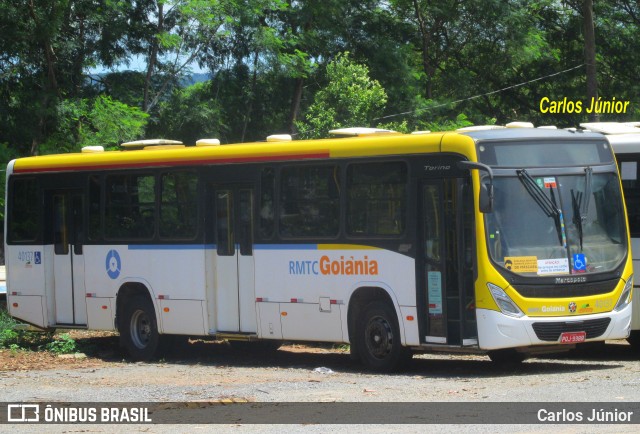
(480, 95)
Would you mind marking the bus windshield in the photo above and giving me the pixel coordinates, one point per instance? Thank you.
(557, 225)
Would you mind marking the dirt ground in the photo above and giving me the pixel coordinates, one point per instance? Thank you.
(100, 349)
(216, 372)
(25, 360)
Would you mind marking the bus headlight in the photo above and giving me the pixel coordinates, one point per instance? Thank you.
(503, 301)
(625, 298)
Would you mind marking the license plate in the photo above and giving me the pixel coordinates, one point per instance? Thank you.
(573, 337)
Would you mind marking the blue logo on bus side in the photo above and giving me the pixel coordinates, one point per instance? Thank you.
(113, 264)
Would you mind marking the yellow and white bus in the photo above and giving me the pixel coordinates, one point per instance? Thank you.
(624, 137)
(502, 241)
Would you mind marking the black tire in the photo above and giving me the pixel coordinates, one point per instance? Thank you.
(378, 338)
(634, 340)
(354, 354)
(139, 329)
(507, 357)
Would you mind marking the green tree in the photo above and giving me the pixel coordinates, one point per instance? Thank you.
(46, 47)
(189, 114)
(98, 122)
(349, 99)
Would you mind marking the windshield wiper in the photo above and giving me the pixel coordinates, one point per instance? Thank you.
(547, 205)
(580, 211)
(588, 172)
(576, 200)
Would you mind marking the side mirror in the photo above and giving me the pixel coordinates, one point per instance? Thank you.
(485, 199)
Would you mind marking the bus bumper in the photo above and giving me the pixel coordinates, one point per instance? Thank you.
(496, 330)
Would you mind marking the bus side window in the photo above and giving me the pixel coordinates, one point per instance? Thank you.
(24, 207)
(130, 207)
(377, 199)
(178, 205)
(309, 201)
(224, 219)
(631, 187)
(60, 225)
(267, 202)
(95, 208)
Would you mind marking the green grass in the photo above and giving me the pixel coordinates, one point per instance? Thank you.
(14, 337)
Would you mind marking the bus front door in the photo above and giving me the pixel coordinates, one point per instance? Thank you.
(445, 263)
(234, 271)
(66, 222)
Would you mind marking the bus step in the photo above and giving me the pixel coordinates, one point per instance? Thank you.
(70, 326)
(235, 336)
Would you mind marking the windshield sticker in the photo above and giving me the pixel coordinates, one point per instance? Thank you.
(521, 264)
(579, 263)
(550, 182)
(434, 284)
(553, 266)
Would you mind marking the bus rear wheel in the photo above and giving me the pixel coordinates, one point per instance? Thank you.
(378, 338)
(139, 332)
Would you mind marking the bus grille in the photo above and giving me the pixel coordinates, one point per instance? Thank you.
(551, 331)
(559, 291)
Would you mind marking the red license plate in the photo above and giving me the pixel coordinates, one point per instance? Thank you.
(573, 337)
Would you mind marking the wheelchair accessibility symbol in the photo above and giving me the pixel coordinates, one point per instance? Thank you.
(113, 264)
(579, 262)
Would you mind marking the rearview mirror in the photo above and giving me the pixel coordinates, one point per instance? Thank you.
(485, 199)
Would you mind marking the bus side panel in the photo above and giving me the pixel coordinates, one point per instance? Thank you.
(173, 273)
(183, 317)
(26, 277)
(29, 308)
(303, 277)
(635, 318)
(307, 321)
(100, 313)
(409, 321)
(269, 323)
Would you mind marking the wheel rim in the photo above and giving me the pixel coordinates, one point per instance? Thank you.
(140, 329)
(379, 337)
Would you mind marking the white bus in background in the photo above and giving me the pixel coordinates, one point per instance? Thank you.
(625, 140)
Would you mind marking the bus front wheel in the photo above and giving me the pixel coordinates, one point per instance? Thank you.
(378, 338)
(507, 357)
(139, 331)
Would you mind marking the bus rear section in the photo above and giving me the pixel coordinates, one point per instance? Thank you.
(624, 137)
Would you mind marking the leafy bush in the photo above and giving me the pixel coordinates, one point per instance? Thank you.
(14, 337)
(8, 335)
(64, 344)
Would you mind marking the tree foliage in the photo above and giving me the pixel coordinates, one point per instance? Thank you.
(78, 72)
(349, 98)
(98, 122)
